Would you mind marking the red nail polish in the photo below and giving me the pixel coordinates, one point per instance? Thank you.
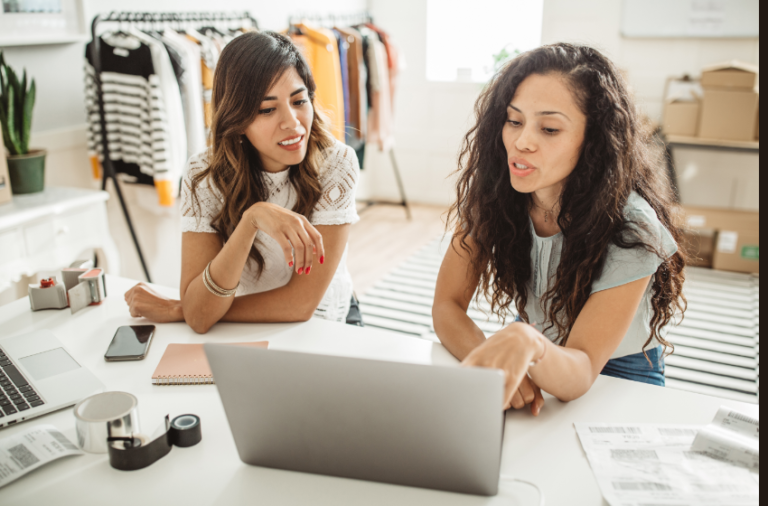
(322, 260)
(308, 269)
(301, 271)
(290, 264)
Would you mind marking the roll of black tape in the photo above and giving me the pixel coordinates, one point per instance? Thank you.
(185, 431)
(132, 453)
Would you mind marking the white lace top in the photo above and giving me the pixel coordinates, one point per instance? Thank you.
(338, 178)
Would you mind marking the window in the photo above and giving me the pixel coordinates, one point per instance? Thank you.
(465, 39)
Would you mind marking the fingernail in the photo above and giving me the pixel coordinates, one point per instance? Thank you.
(322, 260)
(301, 271)
(290, 264)
(308, 269)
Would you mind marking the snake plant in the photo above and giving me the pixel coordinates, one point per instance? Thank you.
(16, 103)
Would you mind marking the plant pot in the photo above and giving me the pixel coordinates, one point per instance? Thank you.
(27, 172)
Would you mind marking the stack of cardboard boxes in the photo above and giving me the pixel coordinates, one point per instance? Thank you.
(729, 110)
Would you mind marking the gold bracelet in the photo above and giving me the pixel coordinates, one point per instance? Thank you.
(213, 287)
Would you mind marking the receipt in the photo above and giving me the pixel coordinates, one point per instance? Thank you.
(733, 437)
(654, 465)
(33, 448)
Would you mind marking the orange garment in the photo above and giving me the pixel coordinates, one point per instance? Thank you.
(318, 45)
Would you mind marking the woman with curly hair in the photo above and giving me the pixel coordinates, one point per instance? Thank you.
(566, 217)
(270, 202)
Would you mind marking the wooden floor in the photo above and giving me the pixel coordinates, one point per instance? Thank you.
(384, 238)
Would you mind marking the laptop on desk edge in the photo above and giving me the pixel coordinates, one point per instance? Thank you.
(417, 425)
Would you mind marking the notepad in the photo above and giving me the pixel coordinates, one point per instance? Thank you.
(186, 364)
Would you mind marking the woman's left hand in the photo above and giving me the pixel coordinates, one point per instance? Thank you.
(512, 350)
(144, 302)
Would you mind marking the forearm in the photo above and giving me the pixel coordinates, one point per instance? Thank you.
(201, 308)
(457, 332)
(281, 305)
(566, 373)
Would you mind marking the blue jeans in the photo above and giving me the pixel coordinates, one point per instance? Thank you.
(636, 368)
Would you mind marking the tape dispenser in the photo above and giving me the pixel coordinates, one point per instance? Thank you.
(83, 285)
(109, 423)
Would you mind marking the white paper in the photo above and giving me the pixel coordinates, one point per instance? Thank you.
(733, 437)
(653, 465)
(33, 448)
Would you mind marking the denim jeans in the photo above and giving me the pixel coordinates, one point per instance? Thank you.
(636, 367)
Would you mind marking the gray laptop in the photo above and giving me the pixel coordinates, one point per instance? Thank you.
(408, 424)
(37, 376)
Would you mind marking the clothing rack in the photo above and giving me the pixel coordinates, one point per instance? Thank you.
(156, 21)
(329, 21)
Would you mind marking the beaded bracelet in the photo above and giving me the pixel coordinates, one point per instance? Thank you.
(537, 362)
(213, 287)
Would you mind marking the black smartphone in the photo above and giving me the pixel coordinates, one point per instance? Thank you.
(130, 343)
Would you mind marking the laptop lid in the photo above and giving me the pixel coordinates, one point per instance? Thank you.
(418, 425)
(38, 376)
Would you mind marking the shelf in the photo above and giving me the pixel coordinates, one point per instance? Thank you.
(713, 143)
(39, 41)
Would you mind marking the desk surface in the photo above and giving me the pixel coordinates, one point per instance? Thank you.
(544, 450)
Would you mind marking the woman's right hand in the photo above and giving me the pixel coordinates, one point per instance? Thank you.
(296, 236)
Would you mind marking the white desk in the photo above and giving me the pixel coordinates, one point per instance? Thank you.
(544, 450)
(49, 230)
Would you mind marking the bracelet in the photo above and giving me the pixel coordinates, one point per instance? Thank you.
(213, 287)
(537, 362)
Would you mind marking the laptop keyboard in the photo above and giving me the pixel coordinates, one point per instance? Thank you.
(16, 394)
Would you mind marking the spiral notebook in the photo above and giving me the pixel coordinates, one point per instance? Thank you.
(186, 364)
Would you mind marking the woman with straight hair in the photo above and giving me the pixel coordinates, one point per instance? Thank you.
(267, 210)
(565, 219)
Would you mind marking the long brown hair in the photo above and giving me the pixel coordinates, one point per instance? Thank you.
(248, 67)
(617, 158)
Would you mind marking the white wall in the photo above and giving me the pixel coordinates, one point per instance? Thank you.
(432, 117)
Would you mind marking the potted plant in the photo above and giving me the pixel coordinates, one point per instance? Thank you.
(26, 167)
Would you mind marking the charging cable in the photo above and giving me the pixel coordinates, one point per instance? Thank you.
(542, 500)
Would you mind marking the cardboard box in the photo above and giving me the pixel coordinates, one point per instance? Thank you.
(733, 75)
(729, 115)
(705, 218)
(5, 179)
(737, 238)
(681, 118)
(738, 251)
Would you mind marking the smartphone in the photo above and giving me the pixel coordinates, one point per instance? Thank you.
(130, 343)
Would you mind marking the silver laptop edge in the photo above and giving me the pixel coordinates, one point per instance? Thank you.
(417, 425)
(42, 362)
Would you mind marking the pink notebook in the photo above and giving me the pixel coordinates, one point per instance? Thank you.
(186, 364)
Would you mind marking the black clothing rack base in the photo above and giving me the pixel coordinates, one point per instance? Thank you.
(401, 188)
(142, 19)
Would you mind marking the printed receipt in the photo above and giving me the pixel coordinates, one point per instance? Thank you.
(733, 437)
(655, 465)
(33, 448)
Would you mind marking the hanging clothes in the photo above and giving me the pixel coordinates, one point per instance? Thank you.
(208, 58)
(191, 85)
(135, 112)
(318, 45)
(393, 58)
(167, 181)
(358, 93)
(380, 113)
(343, 45)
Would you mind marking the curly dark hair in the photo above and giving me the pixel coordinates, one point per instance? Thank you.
(618, 157)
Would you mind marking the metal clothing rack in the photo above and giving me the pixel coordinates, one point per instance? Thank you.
(148, 21)
(329, 21)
